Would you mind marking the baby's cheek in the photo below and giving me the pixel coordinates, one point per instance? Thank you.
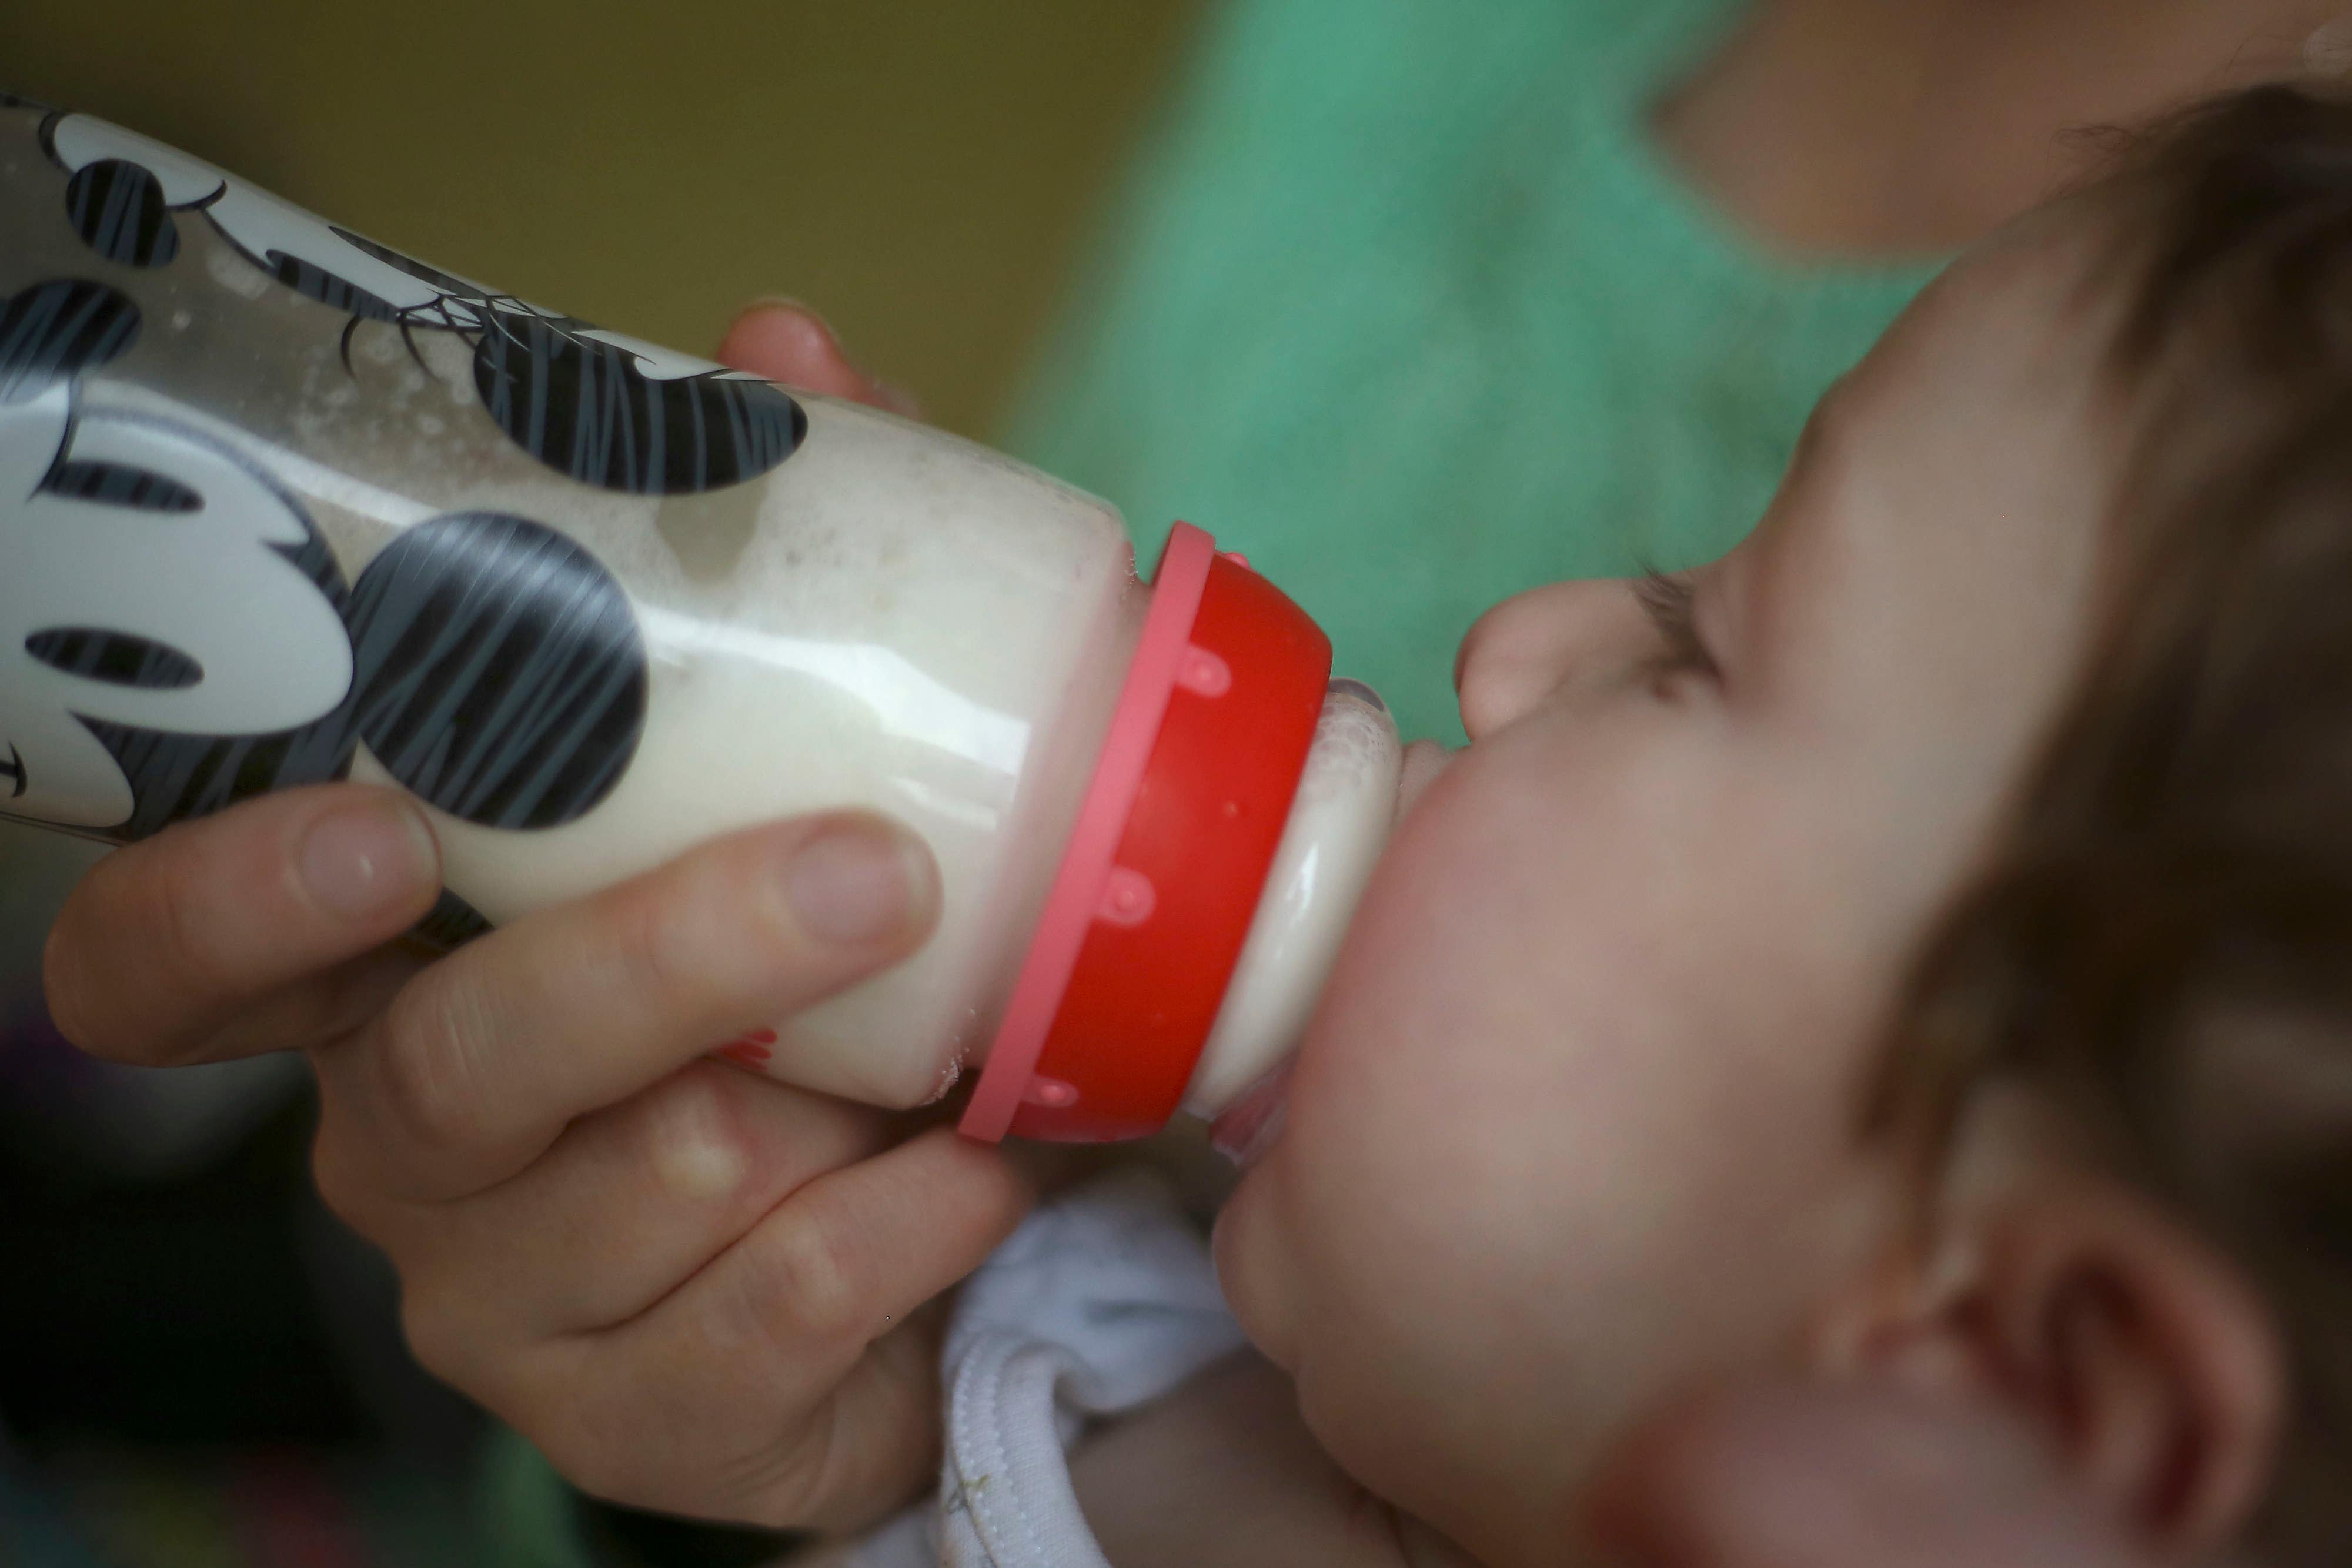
(1248, 1262)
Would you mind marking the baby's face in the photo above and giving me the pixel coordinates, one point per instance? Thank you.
(1577, 1120)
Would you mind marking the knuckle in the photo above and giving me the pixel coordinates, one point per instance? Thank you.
(424, 1067)
(692, 1138)
(818, 1272)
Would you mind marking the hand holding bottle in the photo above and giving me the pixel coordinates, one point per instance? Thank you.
(696, 1288)
(590, 603)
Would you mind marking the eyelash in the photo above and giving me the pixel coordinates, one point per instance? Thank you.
(1670, 598)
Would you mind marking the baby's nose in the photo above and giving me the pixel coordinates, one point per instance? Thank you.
(1520, 652)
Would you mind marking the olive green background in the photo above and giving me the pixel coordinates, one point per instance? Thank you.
(922, 171)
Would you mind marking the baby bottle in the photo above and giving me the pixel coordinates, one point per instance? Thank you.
(279, 506)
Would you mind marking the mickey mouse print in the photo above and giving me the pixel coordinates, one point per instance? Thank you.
(280, 504)
(176, 632)
(122, 538)
(601, 407)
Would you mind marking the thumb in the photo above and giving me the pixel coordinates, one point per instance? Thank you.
(1806, 1475)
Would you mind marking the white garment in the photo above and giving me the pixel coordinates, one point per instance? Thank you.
(1103, 1301)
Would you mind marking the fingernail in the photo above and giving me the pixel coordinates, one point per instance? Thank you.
(360, 860)
(789, 305)
(857, 883)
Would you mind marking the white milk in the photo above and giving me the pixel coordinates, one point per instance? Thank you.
(279, 506)
(917, 627)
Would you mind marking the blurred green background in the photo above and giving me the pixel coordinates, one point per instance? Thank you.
(923, 170)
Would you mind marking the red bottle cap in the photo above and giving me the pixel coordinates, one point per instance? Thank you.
(1165, 864)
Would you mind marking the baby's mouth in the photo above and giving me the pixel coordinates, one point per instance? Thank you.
(1424, 761)
(1249, 1126)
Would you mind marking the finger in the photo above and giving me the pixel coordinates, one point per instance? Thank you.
(857, 1249)
(803, 1328)
(477, 1066)
(166, 941)
(876, 1445)
(1783, 1475)
(317, 1010)
(722, 1452)
(628, 1202)
(784, 340)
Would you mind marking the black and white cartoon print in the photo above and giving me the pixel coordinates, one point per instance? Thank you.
(124, 541)
(604, 408)
(175, 634)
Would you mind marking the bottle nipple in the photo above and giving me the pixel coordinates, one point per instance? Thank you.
(1338, 823)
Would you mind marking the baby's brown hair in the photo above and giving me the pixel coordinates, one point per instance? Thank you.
(2164, 934)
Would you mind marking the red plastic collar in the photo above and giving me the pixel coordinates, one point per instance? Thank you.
(1162, 875)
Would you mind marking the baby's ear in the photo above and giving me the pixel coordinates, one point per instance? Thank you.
(2060, 1292)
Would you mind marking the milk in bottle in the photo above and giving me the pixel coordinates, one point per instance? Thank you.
(280, 504)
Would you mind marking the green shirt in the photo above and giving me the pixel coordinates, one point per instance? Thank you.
(1404, 303)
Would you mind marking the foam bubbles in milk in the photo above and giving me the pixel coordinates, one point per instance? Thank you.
(905, 624)
(1338, 822)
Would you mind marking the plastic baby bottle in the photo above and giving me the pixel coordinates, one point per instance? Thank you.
(279, 505)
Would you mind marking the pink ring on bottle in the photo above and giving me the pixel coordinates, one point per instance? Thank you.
(1076, 897)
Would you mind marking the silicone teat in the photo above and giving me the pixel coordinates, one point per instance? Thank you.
(1338, 825)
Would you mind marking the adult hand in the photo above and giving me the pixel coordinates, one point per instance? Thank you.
(697, 1290)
